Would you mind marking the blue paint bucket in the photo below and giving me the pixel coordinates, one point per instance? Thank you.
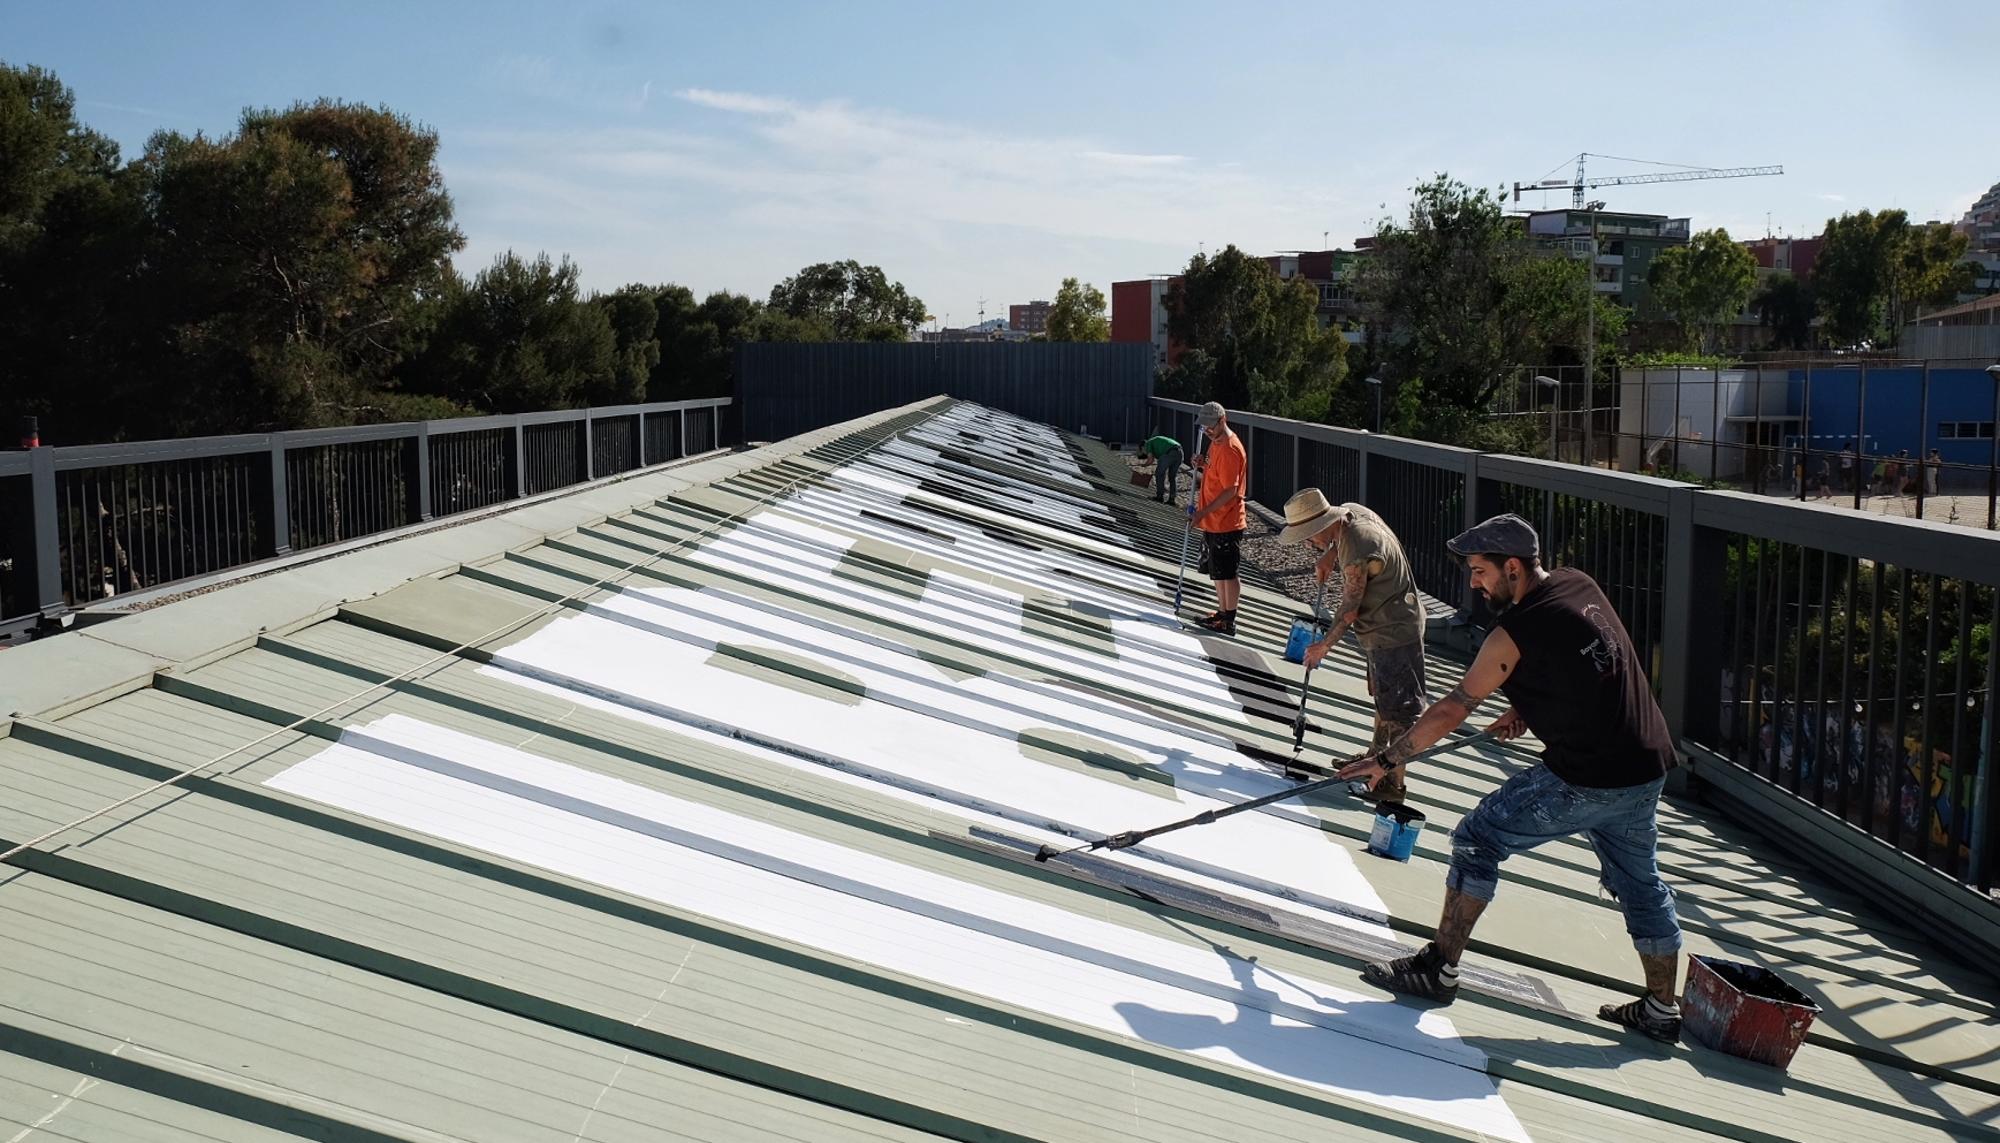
(1396, 830)
(1305, 632)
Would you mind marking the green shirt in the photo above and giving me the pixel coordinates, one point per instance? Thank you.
(1157, 447)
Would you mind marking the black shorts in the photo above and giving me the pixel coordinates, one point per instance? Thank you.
(1221, 553)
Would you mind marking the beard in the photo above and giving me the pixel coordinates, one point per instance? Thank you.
(1496, 601)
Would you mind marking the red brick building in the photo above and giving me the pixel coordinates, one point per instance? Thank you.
(1031, 318)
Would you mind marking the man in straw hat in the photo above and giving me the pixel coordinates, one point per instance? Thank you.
(1378, 602)
(1569, 671)
(1217, 510)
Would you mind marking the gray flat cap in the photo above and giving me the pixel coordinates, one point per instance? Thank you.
(1211, 413)
(1504, 535)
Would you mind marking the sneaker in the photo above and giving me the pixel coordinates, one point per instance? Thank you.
(1646, 1015)
(1222, 623)
(1420, 976)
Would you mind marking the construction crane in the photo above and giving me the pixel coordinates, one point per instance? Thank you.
(1578, 185)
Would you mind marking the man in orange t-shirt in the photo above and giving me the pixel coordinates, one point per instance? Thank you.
(1217, 509)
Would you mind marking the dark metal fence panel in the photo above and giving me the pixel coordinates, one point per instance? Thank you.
(663, 436)
(340, 492)
(1272, 480)
(1101, 388)
(469, 469)
(1863, 686)
(17, 595)
(1330, 468)
(1425, 506)
(124, 527)
(701, 434)
(555, 456)
(614, 445)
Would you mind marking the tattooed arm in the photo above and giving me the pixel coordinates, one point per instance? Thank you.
(1497, 658)
(1353, 581)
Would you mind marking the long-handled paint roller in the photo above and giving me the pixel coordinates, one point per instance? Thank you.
(1133, 837)
(1187, 529)
(1305, 685)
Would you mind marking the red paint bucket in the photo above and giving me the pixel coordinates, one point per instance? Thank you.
(1745, 1011)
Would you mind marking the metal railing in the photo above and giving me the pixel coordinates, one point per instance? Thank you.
(1847, 659)
(80, 525)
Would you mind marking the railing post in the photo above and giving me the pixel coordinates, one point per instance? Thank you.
(589, 450)
(1479, 494)
(517, 474)
(417, 467)
(1250, 447)
(45, 547)
(1983, 802)
(1296, 474)
(640, 428)
(1362, 463)
(1689, 644)
(278, 507)
(683, 415)
(1482, 499)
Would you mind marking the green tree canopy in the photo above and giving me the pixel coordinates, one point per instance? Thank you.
(849, 301)
(43, 146)
(72, 232)
(633, 318)
(1926, 268)
(1077, 314)
(1786, 305)
(518, 339)
(1704, 284)
(1259, 335)
(1459, 298)
(1875, 269)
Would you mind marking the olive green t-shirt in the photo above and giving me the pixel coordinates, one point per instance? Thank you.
(1390, 615)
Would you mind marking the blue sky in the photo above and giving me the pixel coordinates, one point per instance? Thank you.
(989, 152)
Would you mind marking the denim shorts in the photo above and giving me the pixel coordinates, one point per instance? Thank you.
(1622, 824)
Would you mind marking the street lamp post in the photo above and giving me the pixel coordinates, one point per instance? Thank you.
(1375, 383)
(1555, 408)
(1590, 344)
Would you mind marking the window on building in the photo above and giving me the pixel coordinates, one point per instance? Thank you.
(1965, 430)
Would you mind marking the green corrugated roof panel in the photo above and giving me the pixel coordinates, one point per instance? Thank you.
(694, 853)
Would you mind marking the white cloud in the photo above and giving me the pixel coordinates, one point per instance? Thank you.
(736, 101)
(958, 206)
(1828, 196)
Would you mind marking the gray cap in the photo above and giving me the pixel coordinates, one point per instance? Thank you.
(1211, 413)
(1504, 535)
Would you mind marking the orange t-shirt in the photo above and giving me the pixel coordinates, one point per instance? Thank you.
(1224, 469)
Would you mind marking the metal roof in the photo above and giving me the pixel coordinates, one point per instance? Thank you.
(698, 807)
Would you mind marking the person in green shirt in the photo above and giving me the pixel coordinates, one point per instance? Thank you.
(1167, 456)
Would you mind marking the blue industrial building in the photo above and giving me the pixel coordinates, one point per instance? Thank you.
(1887, 408)
(1735, 423)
